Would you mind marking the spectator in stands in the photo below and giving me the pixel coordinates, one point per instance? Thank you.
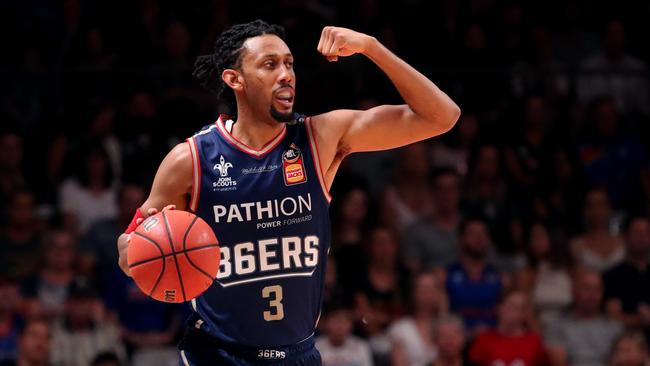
(627, 284)
(90, 195)
(11, 159)
(449, 336)
(432, 243)
(511, 342)
(19, 239)
(485, 192)
(148, 327)
(381, 290)
(453, 149)
(597, 248)
(33, 345)
(348, 230)
(106, 359)
(473, 284)
(630, 349)
(97, 247)
(612, 157)
(546, 277)
(409, 198)
(83, 331)
(615, 72)
(412, 336)
(584, 336)
(11, 320)
(338, 347)
(385, 282)
(46, 292)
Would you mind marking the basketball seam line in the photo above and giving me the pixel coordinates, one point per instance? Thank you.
(161, 253)
(165, 256)
(171, 245)
(187, 232)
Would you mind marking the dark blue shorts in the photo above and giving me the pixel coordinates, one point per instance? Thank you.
(197, 348)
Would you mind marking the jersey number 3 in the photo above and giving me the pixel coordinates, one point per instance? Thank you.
(277, 309)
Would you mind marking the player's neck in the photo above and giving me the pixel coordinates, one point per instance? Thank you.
(254, 131)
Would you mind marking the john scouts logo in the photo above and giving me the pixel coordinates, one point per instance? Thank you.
(222, 166)
(293, 167)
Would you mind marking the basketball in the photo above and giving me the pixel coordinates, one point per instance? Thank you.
(173, 256)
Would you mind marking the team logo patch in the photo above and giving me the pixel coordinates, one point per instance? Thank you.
(293, 166)
(224, 183)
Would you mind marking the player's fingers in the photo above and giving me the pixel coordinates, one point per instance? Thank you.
(327, 45)
(337, 44)
(139, 220)
(152, 211)
(169, 207)
(321, 41)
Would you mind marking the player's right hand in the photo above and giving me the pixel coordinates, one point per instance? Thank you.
(123, 240)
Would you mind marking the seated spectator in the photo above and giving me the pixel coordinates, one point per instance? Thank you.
(546, 275)
(614, 71)
(381, 291)
(148, 327)
(630, 349)
(473, 284)
(97, 247)
(11, 320)
(46, 292)
(626, 285)
(83, 331)
(33, 345)
(453, 148)
(430, 244)
(12, 177)
(338, 347)
(412, 336)
(597, 248)
(19, 239)
(90, 195)
(106, 359)
(409, 198)
(584, 336)
(449, 337)
(351, 219)
(511, 342)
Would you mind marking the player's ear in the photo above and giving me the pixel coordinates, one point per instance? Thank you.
(233, 79)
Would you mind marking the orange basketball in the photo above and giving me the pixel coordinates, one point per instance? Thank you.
(173, 256)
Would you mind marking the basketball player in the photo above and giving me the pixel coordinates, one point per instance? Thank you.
(261, 177)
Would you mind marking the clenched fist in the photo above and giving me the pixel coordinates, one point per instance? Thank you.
(336, 41)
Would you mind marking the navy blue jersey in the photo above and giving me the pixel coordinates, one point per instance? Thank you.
(269, 210)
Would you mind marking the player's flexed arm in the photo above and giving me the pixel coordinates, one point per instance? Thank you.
(428, 111)
(171, 186)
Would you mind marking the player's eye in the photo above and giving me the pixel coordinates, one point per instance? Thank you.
(269, 64)
(289, 64)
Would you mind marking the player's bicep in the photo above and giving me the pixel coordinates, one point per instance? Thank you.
(387, 127)
(173, 180)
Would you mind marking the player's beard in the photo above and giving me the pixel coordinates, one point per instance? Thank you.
(281, 117)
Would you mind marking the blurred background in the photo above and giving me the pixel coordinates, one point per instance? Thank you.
(521, 237)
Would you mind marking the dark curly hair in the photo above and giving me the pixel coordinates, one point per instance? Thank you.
(226, 55)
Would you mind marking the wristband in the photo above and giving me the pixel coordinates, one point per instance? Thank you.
(133, 225)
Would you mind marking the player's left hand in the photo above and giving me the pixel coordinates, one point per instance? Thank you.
(337, 41)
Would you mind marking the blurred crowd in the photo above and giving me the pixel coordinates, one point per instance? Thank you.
(521, 237)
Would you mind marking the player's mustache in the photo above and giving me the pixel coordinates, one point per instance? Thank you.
(282, 87)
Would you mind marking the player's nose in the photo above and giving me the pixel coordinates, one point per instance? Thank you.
(286, 74)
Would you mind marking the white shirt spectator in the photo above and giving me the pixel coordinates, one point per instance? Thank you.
(353, 352)
(86, 206)
(417, 352)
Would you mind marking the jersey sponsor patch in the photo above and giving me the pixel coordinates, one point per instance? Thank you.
(225, 182)
(293, 166)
